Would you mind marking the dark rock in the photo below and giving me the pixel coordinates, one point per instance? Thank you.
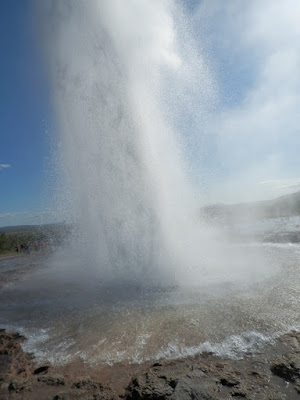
(164, 387)
(87, 383)
(229, 381)
(88, 389)
(149, 387)
(196, 388)
(18, 385)
(82, 395)
(239, 394)
(52, 380)
(60, 396)
(13, 360)
(173, 383)
(287, 367)
(41, 370)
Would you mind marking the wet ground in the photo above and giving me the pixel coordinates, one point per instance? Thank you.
(70, 319)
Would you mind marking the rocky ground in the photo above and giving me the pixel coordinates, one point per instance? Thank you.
(273, 374)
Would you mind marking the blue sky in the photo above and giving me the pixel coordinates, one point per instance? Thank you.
(250, 139)
(25, 112)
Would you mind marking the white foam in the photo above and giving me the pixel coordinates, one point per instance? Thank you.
(234, 347)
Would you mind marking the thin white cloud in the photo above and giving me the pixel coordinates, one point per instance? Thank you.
(8, 215)
(4, 166)
(41, 214)
(261, 39)
(14, 214)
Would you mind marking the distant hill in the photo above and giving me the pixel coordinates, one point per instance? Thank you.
(283, 206)
(30, 228)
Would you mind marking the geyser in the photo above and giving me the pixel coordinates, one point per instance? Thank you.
(129, 195)
(125, 79)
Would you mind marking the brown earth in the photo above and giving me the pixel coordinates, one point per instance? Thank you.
(273, 374)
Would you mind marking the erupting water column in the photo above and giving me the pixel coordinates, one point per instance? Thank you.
(113, 66)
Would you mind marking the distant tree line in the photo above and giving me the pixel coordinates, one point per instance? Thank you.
(9, 241)
(52, 235)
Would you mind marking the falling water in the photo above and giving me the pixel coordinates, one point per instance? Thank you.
(121, 76)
